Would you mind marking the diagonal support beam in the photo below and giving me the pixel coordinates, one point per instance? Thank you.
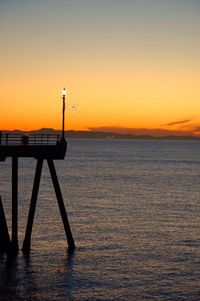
(68, 233)
(36, 184)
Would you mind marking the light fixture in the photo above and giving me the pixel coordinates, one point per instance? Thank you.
(64, 92)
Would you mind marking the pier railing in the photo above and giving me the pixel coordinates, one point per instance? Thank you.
(31, 139)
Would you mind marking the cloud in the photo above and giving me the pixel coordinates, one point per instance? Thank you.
(177, 122)
(196, 129)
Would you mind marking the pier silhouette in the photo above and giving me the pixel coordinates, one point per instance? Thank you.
(41, 147)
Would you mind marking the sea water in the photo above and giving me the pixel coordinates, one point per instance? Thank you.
(134, 210)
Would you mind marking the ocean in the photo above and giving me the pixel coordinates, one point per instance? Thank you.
(134, 211)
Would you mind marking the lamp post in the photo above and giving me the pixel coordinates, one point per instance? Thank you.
(64, 92)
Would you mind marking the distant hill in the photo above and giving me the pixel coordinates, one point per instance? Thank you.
(101, 135)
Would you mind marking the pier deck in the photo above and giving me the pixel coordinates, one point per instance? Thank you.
(35, 146)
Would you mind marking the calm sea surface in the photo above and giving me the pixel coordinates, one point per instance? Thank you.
(134, 210)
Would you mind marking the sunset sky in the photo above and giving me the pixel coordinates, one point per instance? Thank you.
(129, 66)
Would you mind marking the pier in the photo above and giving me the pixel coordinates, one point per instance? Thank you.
(40, 147)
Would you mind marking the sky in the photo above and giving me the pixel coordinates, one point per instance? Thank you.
(131, 66)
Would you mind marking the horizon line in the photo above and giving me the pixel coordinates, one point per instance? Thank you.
(108, 133)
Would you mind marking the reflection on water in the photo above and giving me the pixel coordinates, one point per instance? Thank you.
(22, 278)
(134, 210)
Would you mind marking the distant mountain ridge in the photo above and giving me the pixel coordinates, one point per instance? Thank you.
(100, 135)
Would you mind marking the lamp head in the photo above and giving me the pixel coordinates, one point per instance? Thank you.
(64, 92)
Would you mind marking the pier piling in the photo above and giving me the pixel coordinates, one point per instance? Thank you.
(63, 213)
(4, 235)
(14, 241)
(27, 239)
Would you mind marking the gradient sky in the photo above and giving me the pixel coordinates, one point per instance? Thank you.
(131, 65)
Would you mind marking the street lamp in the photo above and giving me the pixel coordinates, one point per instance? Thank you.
(64, 93)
